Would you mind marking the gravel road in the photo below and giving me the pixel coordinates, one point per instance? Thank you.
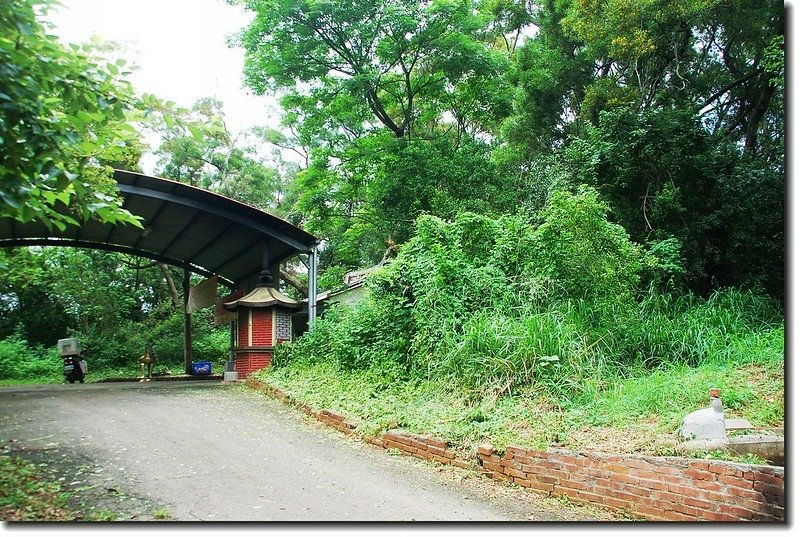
(204, 451)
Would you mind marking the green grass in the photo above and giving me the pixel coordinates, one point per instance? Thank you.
(609, 375)
(162, 514)
(640, 411)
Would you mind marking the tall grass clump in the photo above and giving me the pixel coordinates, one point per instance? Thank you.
(690, 330)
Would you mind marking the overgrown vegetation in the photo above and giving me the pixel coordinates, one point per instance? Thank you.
(506, 329)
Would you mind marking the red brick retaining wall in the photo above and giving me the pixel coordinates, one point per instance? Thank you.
(422, 447)
(655, 488)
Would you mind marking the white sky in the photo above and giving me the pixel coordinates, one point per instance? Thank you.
(179, 47)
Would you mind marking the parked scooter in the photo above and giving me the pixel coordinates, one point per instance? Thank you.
(74, 365)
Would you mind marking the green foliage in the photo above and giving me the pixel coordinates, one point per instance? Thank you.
(582, 252)
(332, 279)
(19, 361)
(197, 147)
(122, 348)
(64, 120)
(666, 178)
(113, 305)
(638, 408)
(392, 103)
(440, 177)
(672, 111)
(671, 389)
(548, 75)
(54, 291)
(369, 336)
(716, 59)
(663, 264)
(498, 354)
(498, 306)
(400, 62)
(468, 299)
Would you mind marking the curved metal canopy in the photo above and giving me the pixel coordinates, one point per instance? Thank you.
(183, 225)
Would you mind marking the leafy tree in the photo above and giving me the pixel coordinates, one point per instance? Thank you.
(665, 107)
(722, 60)
(550, 73)
(198, 148)
(394, 100)
(53, 291)
(666, 177)
(28, 305)
(673, 110)
(64, 119)
(393, 57)
(584, 254)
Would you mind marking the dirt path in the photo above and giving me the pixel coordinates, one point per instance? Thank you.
(203, 451)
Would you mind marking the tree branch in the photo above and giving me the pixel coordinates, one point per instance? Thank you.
(730, 86)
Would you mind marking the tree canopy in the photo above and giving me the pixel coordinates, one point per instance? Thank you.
(673, 110)
(64, 123)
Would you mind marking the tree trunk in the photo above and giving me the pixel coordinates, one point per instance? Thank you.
(176, 301)
(760, 108)
(294, 282)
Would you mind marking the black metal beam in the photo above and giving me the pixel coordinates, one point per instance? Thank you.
(149, 223)
(71, 243)
(211, 209)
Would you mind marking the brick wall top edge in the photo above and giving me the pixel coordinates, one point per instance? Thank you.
(671, 460)
(658, 460)
(418, 437)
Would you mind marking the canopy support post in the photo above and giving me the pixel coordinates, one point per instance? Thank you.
(312, 287)
(187, 325)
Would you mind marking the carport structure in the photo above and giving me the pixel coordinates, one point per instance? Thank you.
(188, 227)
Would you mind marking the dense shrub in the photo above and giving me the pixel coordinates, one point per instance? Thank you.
(468, 298)
(165, 331)
(496, 305)
(20, 361)
(586, 256)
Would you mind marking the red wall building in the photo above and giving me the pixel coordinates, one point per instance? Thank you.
(264, 320)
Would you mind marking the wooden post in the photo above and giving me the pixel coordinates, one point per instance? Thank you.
(187, 324)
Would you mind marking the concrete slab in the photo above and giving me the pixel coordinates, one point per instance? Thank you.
(738, 424)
